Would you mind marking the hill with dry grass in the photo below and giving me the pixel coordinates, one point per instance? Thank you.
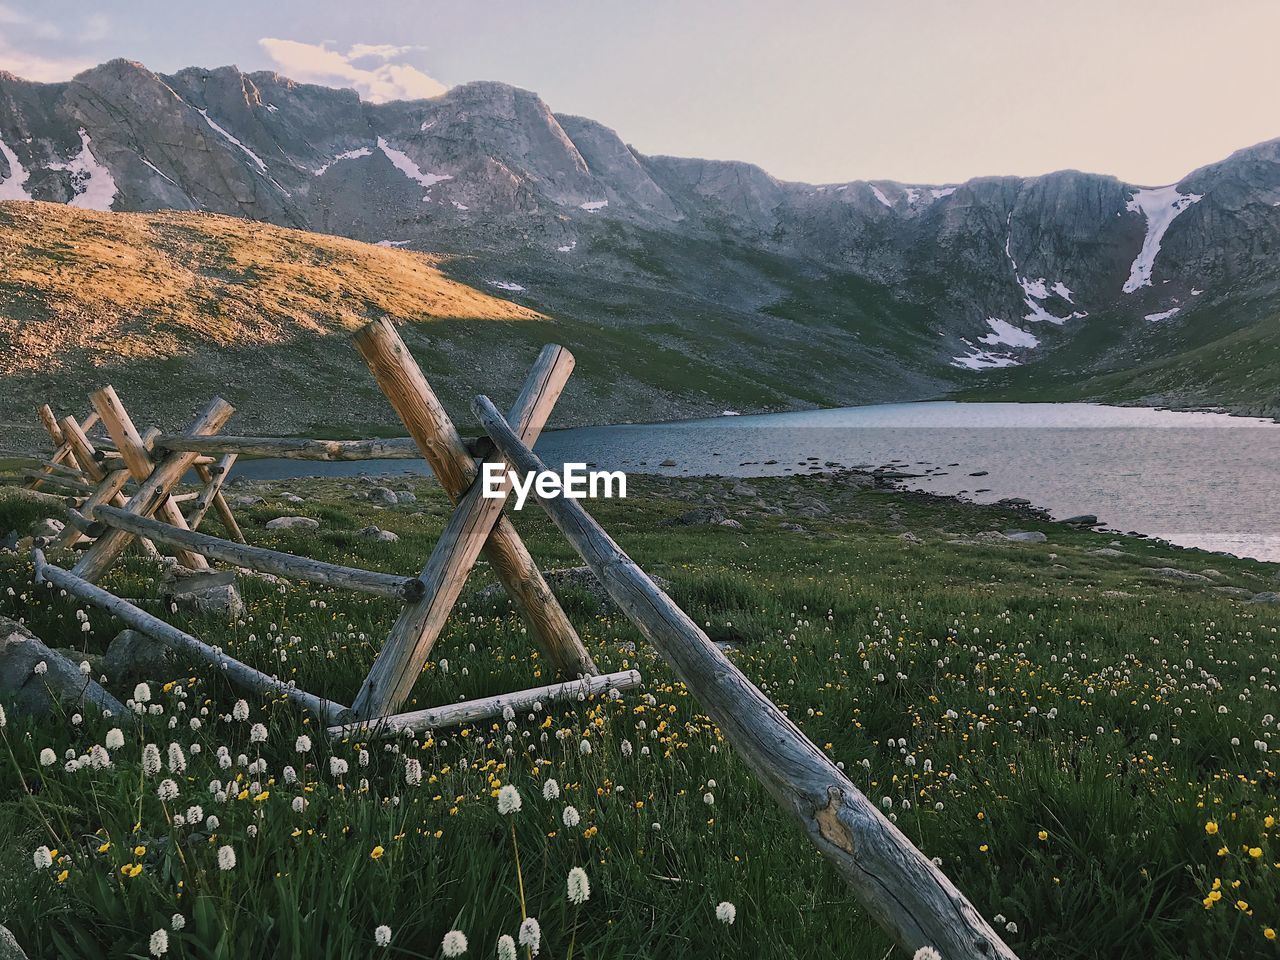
(172, 307)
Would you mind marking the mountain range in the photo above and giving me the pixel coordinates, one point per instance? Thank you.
(686, 274)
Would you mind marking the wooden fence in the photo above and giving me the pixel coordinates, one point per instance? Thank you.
(123, 492)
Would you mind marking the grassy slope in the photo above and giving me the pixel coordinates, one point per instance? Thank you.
(1031, 687)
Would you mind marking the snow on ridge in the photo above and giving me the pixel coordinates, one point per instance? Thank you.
(272, 108)
(95, 188)
(1062, 290)
(506, 285)
(1160, 205)
(459, 206)
(567, 247)
(1039, 289)
(593, 205)
(980, 359)
(349, 155)
(940, 192)
(393, 243)
(1006, 333)
(157, 169)
(11, 187)
(411, 169)
(880, 195)
(262, 167)
(1157, 317)
(1034, 288)
(912, 196)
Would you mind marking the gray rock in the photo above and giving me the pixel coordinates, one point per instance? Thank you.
(133, 657)
(1082, 520)
(406, 496)
(698, 515)
(203, 591)
(9, 949)
(384, 496)
(1107, 552)
(1239, 592)
(1173, 573)
(1212, 573)
(909, 537)
(1269, 596)
(247, 500)
(33, 677)
(48, 528)
(731, 523)
(1026, 536)
(377, 535)
(990, 536)
(293, 523)
(291, 498)
(792, 527)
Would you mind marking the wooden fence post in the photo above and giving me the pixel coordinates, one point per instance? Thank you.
(129, 442)
(151, 493)
(403, 383)
(419, 625)
(896, 883)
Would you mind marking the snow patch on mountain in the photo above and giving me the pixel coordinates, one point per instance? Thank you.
(1062, 290)
(1157, 317)
(593, 205)
(939, 193)
(1160, 205)
(506, 285)
(1039, 289)
(880, 195)
(11, 187)
(979, 359)
(411, 169)
(349, 155)
(1004, 332)
(222, 132)
(95, 188)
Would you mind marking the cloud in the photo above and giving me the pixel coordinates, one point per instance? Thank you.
(316, 63)
(21, 35)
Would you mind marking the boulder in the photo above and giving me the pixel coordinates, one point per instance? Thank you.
(1025, 536)
(9, 949)
(383, 496)
(1107, 552)
(133, 657)
(293, 523)
(1239, 592)
(291, 498)
(909, 537)
(406, 496)
(47, 529)
(33, 677)
(731, 523)
(793, 527)
(696, 516)
(1173, 573)
(377, 535)
(1082, 520)
(1269, 596)
(990, 536)
(247, 500)
(203, 591)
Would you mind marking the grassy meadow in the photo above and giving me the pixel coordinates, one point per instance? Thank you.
(1085, 746)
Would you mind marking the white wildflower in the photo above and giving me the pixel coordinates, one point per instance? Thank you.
(167, 791)
(159, 945)
(726, 913)
(578, 887)
(382, 935)
(258, 733)
(455, 944)
(550, 790)
(530, 935)
(42, 858)
(142, 693)
(226, 857)
(177, 759)
(177, 921)
(927, 953)
(337, 766)
(302, 744)
(509, 801)
(506, 947)
(570, 817)
(48, 757)
(240, 711)
(115, 738)
(412, 772)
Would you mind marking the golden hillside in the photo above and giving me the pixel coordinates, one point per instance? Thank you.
(90, 289)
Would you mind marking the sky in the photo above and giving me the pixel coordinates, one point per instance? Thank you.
(920, 91)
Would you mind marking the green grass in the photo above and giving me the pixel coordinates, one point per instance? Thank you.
(983, 694)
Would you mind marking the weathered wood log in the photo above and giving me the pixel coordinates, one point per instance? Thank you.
(83, 452)
(183, 643)
(896, 883)
(57, 468)
(260, 558)
(151, 493)
(213, 477)
(469, 711)
(295, 448)
(128, 441)
(419, 625)
(404, 385)
(62, 482)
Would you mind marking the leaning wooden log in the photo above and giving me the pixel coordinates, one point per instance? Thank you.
(896, 883)
(63, 483)
(419, 625)
(403, 383)
(259, 558)
(136, 457)
(151, 493)
(214, 476)
(185, 644)
(293, 448)
(84, 452)
(469, 711)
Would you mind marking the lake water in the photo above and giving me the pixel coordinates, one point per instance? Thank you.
(1198, 479)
